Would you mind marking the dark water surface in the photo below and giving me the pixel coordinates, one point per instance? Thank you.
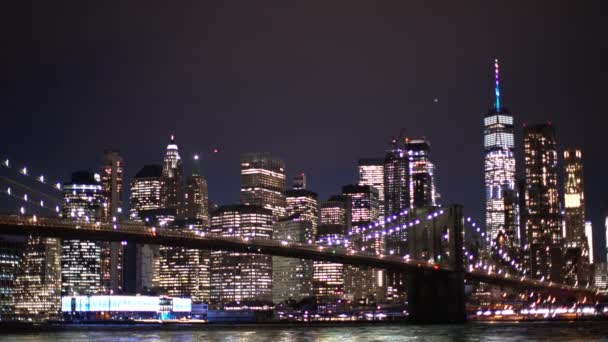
(548, 331)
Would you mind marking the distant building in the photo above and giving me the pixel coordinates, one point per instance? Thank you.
(38, 281)
(371, 172)
(197, 199)
(601, 277)
(328, 277)
(172, 183)
(292, 277)
(303, 203)
(145, 197)
(499, 166)
(112, 253)
(363, 284)
(422, 186)
(263, 182)
(11, 252)
(543, 216)
(241, 276)
(81, 259)
(299, 181)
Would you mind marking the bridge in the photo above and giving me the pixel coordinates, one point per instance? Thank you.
(435, 289)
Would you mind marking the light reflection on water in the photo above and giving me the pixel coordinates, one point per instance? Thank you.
(550, 331)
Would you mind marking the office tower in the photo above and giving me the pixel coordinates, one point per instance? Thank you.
(112, 252)
(172, 188)
(145, 191)
(145, 197)
(371, 172)
(589, 241)
(499, 165)
(578, 252)
(601, 276)
(38, 280)
(363, 284)
(263, 182)
(81, 259)
(543, 222)
(304, 203)
(328, 277)
(11, 252)
(197, 199)
(235, 276)
(299, 181)
(180, 268)
(421, 174)
(292, 277)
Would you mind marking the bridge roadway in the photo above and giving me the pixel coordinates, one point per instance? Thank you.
(138, 233)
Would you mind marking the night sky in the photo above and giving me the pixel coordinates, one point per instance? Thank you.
(319, 84)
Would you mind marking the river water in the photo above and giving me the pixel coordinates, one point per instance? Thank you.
(547, 331)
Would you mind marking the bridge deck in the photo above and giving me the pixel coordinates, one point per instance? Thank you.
(137, 233)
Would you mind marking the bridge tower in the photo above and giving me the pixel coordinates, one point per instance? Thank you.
(436, 296)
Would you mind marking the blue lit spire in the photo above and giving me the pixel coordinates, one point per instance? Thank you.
(497, 85)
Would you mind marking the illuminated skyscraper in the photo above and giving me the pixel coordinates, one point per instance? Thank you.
(589, 241)
(292, 277)
(263, 182)
(363, 284)
(81, 259)
(578, 252)
(371, 172)
(38, 280)
(145, 197)
(197, 199)
(241, 276)
(11, 252)
(543, 218)
(112, 252)
(328, 277)
(499, 164)
(421, 174)
(304, 203)
(172, 187)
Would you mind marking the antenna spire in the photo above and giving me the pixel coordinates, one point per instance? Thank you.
(497, 84)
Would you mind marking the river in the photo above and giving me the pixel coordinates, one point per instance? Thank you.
(536, 331)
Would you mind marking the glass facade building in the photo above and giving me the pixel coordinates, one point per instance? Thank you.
(371, 172)
(241, 276)
(263, 182)
(422, 187)
(83, 200)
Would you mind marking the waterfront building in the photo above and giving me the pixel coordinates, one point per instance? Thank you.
(239, 276)
(543, 215)
(145, 197)
(81, 259)
(112, 253)
(328, 277)
(292, 277)
(11, 252)
(499, 166)
(363, 284)
(38, 281)
(263, 182)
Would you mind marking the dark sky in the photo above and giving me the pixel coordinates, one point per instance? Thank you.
(319, 84)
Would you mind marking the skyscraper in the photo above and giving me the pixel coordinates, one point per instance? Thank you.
(371, 172)
(172, 187)
(423, 193)
(145, 197)
(304, 203)
(328, 277)
(363, 283)
(81, 259)
(578, 252)
(38, 280)
(241, 276)
(499, 165)
(112, 252)
(292, 277)
(197, 199)
(543, 218)
(263, 182)
(299, 181)
(11, 252)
